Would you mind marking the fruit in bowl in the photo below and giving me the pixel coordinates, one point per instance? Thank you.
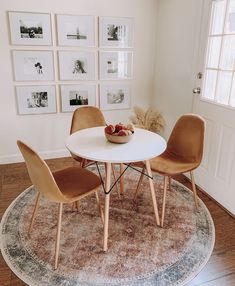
(119, 133)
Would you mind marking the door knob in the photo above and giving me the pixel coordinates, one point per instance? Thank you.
(197, 90)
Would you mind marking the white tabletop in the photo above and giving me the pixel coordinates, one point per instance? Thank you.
(92, 144)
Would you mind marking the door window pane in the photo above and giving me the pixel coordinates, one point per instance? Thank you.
(232, 96)
(210, 84)
(218, 14)
(214, 52)
(223, 87)
(228, 53)
(219, 80)
(230, 20)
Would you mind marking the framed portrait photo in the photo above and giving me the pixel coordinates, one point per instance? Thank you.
(75, 30)
(74, 96)
(115, 96)
(33, 65)
(36, 99)
(116, 32)
(116, 65)
(75, 65)
(30, 28)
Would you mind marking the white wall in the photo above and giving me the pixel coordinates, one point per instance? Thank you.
(47, 133)
(175, 47)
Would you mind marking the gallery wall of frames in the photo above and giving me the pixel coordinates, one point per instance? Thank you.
(87, 59)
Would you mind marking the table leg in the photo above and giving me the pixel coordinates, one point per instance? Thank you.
(149, 172)
(121, 179)
(106, 207)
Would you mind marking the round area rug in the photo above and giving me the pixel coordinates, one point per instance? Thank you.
(139, 252)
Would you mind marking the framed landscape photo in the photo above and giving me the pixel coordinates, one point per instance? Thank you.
(75, 30)
(116, 32)
(75, 65)
(36, 99)
(74, 96)
(30, 28)
(115, 96)
(33, 65)
(116, 65)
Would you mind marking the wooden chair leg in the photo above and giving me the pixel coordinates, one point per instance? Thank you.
(121, 179)
(77, 205)
(139, 183)
(106, 207)
(194, 189)
(99, 206)
(169, 183)
(34, 212)
(164, 200)
(57, 246)
(152, 192)
(115, 179)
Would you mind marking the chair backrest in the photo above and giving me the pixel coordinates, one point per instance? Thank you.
(187, 138)
(86, 117)
(40, 174)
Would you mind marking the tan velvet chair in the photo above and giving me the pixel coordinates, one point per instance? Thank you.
(86, 117)
(65, 186)
(183, 153)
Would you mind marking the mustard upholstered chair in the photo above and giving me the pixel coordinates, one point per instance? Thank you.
(86, 117)
(183, 153)
(64, 186)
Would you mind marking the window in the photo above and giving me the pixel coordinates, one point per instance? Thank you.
(219, 81)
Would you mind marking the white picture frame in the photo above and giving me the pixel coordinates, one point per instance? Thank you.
(76, 65)
(36, 99)
(33, 65)
(75, 30)
(115, 96)
(115, 65)
(115, 32)
(30, 28)
(75, 96)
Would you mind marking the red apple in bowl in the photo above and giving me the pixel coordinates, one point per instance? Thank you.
(110, 129)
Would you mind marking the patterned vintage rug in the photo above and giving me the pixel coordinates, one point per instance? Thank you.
(140, 253)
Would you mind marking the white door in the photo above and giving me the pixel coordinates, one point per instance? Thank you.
(216, 101)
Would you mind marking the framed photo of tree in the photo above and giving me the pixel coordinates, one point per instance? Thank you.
(77, 65)
(115, 32)
(76, 30)
(30, 28)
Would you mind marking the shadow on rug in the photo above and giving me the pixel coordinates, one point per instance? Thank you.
(139, 252)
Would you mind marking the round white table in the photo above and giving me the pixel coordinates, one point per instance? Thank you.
(92, 144)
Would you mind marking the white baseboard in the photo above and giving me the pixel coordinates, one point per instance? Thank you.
(16, 158)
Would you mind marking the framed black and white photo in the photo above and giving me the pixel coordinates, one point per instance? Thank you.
(75, 65)
(74, 96)
(30, 28)
(115, 96)
(33, 65)
(36, 99)
(116, 32)
(115, 65)
(75, 30)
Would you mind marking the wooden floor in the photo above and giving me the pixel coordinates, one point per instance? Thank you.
(219, 271)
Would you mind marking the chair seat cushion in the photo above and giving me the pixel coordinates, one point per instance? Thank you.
(170, 165)
(76, 182)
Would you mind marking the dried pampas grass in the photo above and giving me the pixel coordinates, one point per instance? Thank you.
(151, 120)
